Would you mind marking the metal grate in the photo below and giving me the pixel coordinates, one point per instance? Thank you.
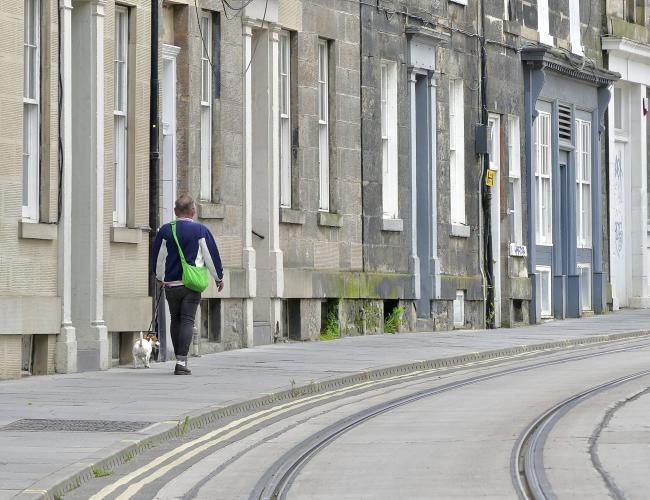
(564, 116)
(51, 425)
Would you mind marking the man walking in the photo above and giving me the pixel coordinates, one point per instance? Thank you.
(200, 250)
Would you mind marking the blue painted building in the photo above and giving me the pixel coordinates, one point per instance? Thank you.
(565, 101)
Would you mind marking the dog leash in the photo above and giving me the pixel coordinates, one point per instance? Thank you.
(155, 313)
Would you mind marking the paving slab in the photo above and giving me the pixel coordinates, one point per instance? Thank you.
(242, 378)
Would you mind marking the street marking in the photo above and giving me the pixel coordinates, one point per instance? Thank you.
(237, 426)
(253, 419)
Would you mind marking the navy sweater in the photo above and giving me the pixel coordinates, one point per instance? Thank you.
(198, 245)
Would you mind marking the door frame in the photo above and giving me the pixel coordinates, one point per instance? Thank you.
(494, 121)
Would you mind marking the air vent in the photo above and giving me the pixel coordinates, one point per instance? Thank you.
(564, 112)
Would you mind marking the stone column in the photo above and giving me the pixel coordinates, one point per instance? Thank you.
(247, 225)
(414, 260)
(275, 253)
(435, 262)
(639, 198)
(66, 345)
(97, 325)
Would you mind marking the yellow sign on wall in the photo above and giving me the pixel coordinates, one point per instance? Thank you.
(491, 176)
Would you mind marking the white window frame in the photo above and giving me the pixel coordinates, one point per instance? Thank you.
(120, 115)
(206, 107)
(388, 100)
(31, 110)
(323, 126)
(459, 309)
(583, 184)
(546, 271)
(543, 25)
(543, 180)
(285, 118)
(514, 175)
(584, 271)
(574, 27)
(621, 102)
(457, 151)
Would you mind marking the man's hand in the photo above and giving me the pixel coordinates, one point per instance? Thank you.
(161, 284)
(219, 285)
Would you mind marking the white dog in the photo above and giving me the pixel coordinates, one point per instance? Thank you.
(142, 349)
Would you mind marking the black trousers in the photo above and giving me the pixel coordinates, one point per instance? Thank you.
(183, 304)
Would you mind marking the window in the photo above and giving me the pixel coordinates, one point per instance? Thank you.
(544, 289)
(620, 109)
(285, 119)
(543, 185)
(389, 139)
(457, 151)
(120, 115)
(543, 23)
(574, 26)
(514, 174)
(635, 11)
(584, 273)
(459, 308)
(323, 125)
(583, 184)
(206, 107)
(31, 110)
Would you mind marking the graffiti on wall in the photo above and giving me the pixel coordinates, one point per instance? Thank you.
(617, 187)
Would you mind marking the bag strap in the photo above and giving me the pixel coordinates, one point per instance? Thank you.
(178, 245)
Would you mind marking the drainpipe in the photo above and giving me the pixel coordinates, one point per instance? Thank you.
(154, 158)
(486, 193)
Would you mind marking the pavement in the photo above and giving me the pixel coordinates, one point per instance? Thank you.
(54, 430)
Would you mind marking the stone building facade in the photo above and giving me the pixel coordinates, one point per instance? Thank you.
(75, 230)
(627, 51)
(447, 158)
(556, 224)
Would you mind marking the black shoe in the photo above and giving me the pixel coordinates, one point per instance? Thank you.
(182, 370)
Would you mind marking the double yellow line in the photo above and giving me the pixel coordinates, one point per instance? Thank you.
(192, 448)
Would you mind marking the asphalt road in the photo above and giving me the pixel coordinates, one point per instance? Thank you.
(454, 440)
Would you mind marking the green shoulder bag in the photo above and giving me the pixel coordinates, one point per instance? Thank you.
(194, 278)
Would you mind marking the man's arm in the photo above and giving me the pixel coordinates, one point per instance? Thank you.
(159, 256)
(212, 258)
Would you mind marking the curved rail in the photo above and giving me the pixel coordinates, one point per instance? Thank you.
(527, 465)
(276, 482)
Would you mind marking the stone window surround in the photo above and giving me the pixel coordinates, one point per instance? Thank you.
(32, 109)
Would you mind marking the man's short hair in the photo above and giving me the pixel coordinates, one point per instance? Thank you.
(184, 204)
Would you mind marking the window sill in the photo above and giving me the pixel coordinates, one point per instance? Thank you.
(207, 210)
(518, 250)
(392, 225)
(128, 235)
(330, 219)
(37, 231)
(291, 216)
(459, 2)
(459, 230)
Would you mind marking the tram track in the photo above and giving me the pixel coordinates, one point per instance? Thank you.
(278, 479)
(527, 464)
